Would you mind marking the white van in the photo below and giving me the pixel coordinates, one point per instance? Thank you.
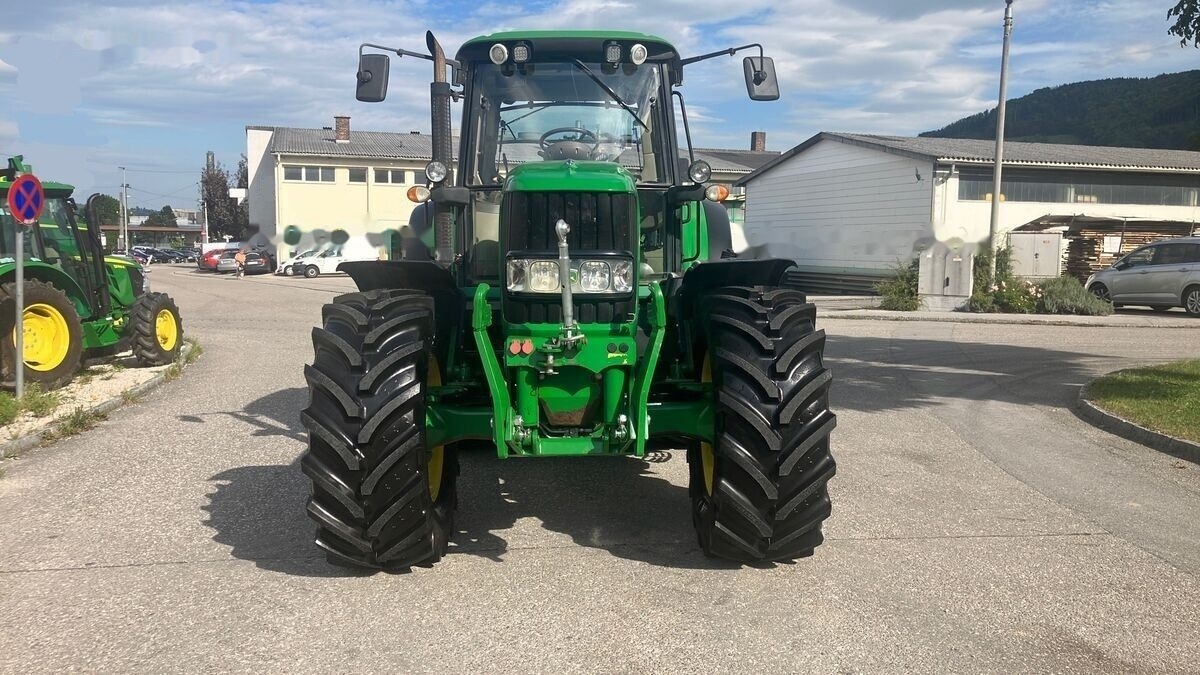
(287, 266)
(327, 261)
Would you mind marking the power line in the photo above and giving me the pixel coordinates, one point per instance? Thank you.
(163, 171)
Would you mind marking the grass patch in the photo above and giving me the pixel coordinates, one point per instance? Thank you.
(38, 402)
(194, 351)
(130, 396)
(1165, 398)
(9, 408)
(75, 422)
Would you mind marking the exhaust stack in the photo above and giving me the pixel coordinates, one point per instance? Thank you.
(439, 94)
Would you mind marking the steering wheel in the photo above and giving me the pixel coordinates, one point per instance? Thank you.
(577, 148)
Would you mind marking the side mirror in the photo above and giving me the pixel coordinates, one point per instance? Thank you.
(372, 77)
(761, 83)
(1122, 265)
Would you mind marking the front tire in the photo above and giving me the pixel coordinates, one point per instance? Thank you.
(156, 329)
(1191, 300)
(53, 335)
(381, 499)
(759, 491)
(1101, 291)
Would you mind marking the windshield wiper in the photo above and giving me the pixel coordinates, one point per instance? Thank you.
(608, 90)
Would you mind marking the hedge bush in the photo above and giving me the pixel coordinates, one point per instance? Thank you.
(899, 293)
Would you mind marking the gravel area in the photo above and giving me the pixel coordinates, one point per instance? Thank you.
(92, 386)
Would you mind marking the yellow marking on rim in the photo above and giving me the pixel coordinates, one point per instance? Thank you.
(47, 339)
(166, 329)
(437, 456)
(708, 459)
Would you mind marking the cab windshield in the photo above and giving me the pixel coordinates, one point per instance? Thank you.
(564, 110)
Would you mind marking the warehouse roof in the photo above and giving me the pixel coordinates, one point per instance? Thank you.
(972, 151)
(417, 146)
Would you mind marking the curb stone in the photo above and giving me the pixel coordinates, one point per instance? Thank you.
(1013, 319)
(1119, 426)
(34, 439)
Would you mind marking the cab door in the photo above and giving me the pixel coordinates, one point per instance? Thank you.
(1171, 265)
(1130, 282)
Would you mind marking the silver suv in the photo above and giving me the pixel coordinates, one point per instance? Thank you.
(1162, 275)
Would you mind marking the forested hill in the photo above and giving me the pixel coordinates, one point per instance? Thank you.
(1156, 112)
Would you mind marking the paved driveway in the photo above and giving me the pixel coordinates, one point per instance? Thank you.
(978, 526)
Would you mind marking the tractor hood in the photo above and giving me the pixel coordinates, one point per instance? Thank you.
(570, 176)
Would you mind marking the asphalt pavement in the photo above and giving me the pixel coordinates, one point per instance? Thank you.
(978, 526)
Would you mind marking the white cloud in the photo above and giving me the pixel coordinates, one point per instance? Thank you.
(202, 69)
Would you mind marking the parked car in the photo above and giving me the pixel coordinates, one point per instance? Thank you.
(1161, 275)
(256, 263)
(327, 261)
(154, 254)
(209, 260)
(287, 267)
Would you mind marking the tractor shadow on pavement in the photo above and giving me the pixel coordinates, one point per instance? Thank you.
(635, 509)
(625, 506)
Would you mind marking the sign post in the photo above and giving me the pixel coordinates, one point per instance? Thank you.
(25, 202)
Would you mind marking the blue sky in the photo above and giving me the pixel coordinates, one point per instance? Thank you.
(88, 86)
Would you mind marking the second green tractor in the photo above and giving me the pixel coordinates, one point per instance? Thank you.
(79, 303)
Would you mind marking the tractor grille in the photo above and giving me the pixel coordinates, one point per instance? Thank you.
(137, 280)
(600, 222)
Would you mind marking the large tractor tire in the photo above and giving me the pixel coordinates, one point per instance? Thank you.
(52, 331)
(156, 329)
(759, 492)
(380, 497)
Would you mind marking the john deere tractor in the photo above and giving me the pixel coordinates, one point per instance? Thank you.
(78, 303)
(568, 290)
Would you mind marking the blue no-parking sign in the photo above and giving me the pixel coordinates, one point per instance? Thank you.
(26, 199)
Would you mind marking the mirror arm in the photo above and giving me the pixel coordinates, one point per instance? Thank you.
(404, 52)
(687, 131)
(726, 52)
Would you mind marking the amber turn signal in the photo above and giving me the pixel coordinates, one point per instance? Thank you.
(418, 194)
(716, 193)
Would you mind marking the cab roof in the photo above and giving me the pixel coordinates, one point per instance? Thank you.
(568, 44)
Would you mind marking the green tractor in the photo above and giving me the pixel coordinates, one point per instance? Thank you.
(79, 304)
(567, 291)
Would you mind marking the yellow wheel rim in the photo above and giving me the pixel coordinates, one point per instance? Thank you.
(47, 338)
(707, 458)
(437, 456)
(166, 329)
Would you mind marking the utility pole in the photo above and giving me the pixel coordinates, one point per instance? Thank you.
(122, 233)
(994, 225)
(204, 232)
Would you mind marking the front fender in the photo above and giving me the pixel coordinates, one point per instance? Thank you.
(425, 276)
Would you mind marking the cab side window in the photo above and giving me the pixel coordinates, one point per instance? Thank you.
(1170, 254)
(1193, 253)
(1139, 258)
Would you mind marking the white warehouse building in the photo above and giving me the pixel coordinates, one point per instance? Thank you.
(849, 207)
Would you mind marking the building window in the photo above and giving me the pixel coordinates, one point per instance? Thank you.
(393, 176)
(308, 174)
(358, 175)
(1080, 187)
(419, 178)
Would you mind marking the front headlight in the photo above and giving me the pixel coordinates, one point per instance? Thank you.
(622, 276)
(594, 276)
(516, 275)
(543, 276)
(524, 275)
